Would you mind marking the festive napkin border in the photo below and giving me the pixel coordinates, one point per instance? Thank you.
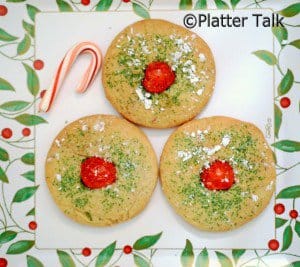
(17, 235)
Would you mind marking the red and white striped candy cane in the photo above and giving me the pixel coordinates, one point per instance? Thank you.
(64, 68)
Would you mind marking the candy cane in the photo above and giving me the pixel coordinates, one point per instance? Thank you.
(64, 68)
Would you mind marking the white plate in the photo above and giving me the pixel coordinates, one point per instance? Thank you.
(244, 90)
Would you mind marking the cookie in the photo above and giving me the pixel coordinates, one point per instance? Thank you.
(101, 170)
(158, 74)
(218, 173)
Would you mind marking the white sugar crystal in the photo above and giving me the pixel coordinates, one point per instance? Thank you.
(84, 128)
(57, 142)
(254, 198)
(200, 92)
(269, 186)
(99, 126)
(202, 57)
(184, 155)
(225, 140)
(144, 97)
(211, 151)
(58, 177)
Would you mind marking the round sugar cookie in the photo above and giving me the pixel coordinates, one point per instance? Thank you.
(218, 173)
(101, 170)
(158, 74)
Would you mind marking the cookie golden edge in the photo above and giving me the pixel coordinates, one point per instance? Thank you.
(142, 202)
(169, 124)
(178, 211)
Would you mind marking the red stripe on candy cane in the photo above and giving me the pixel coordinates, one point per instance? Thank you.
(64, 68)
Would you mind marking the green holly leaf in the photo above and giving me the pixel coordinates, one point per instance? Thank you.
(5, 36)
(234, 3)
(278, 119)
(15, 1)
(295, 43)
(24, 45)
(20, 247)
(280, 33)
(201, 4)
(63, 6)
(29, 175)
(280, 222)
(29, 120)
(65, 259)
(185, 4)
(293, 264)
(32, 11)
(221, 4)
(287, 145)
(187, 255)
(290, 11)
(29, 28)
(224, 260)
(105, 255)
(31, 212)
(3, 176)
(103, 5)
(28, 158)
(14, 105)
(286, 83)
(297, 228)
(266, 56)
(33, 262)
(289, 192)
(140, 11)
(146, 241)
(202, 259)
(140, 262)
(33, 83)
(24, 194)
(237, 253)
(7, 236)
(6, 86)
(3, 154)
(287, 238)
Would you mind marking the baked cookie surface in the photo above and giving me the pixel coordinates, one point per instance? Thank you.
(202, 151)
(113, 147)
(158, 41)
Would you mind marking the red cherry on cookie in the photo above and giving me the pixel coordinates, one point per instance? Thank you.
(85, 2)
(38, 64)
(218, 176)
(3, 10)
(285, 102)
(26, 132)
(273, 244)
(293, 214)
(158, 77)
(279, 208)
(127, 249)
(32, 225)
(3, 262)
(97, 172)
(6, 133)
(86, 252)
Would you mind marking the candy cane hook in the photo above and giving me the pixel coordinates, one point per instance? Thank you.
(65, 66)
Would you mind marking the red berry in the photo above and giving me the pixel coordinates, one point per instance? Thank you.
(126, 1)
(279, 208)
(3, 10)
(85, 2)
(285, 102)
(273, 244)
(127, 249)
(86, 252)
(42, 93)
(26, 132)
(3, 262)
(293, 214)
(6, 133)
(158, 77)
(218, 176)
(97, 172)
(32, 225)
(38, 64)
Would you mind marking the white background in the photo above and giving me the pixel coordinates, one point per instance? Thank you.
(244, 90)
